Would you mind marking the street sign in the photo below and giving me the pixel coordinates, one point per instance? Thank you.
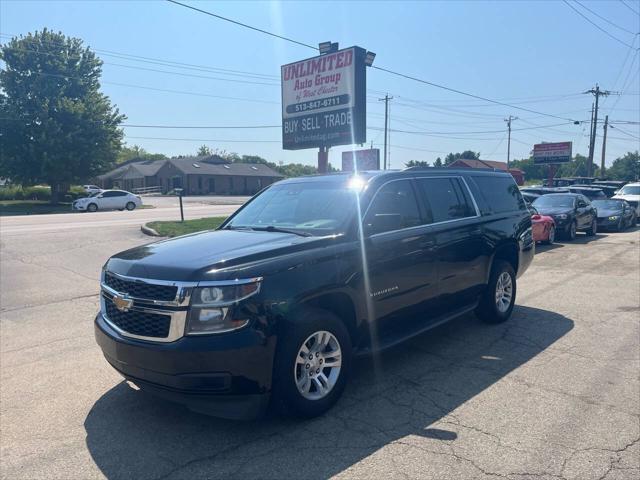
(552, 153)
(364, 160)
(324, 100)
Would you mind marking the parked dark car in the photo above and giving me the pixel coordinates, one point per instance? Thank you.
(544, 190)
(614, 214)
(591, 193)
(609, 190)
(273, 305)
(530, 197)
(570, 211)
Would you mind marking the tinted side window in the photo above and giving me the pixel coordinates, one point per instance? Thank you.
(108, 194)
(119, 194)
(502, 193)
(445, 199)
(394, 207)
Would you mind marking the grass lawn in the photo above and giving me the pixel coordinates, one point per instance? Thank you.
(173, 229)
(32, 207)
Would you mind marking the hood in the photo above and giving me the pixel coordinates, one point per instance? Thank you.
(608, 212)
(188, 258)
(554, 210)
(635, 198)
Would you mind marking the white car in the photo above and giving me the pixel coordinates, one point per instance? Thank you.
(108, 200)
(91, 189)
(631, 194)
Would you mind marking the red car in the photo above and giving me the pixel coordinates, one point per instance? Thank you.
(544, 228)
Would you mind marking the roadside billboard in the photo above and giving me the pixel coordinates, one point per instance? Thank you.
(324, 100)
(552, 153)
(368, 159)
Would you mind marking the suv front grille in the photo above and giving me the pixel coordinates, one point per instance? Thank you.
(138, 323)
(142, 290)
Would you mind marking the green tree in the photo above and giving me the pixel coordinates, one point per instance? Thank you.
(467, 155)
(531, 170)
(204, 151)
(577, 167)
(127, 154)
(625, 168)
(416, 163)
(438, 163)
(57, 127)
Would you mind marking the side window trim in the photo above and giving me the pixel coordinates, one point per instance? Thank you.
(420, 207)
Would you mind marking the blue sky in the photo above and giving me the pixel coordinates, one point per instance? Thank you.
(536, 55)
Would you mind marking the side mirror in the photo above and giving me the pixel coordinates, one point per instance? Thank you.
(536, 217)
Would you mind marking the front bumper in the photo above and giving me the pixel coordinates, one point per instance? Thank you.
(604, 222)
(226, 375)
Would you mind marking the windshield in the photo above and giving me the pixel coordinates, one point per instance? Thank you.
(630, 190)
(316, 208)
(607, 204)
(554, 201)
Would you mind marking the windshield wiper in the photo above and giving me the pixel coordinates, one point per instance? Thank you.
(271, 228)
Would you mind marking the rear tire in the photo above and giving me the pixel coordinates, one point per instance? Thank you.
(499, 298)
(130, 206)
(92, 207)
(593, 229)
(292, 394)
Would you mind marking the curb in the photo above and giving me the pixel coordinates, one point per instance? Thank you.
(149, 231)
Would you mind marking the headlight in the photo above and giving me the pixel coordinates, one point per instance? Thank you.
(561, 216)
(210, 312)
(614, 217)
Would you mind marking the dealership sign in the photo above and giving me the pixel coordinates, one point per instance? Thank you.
(364, 160)
(551, 153)
(324, 100)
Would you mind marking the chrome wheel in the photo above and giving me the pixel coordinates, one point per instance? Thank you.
(504, 292)
(552, 235)
(318, 364)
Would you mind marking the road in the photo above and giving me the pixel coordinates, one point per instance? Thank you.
(164, 208)
(552, 394)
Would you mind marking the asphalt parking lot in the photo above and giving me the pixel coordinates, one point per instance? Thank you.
(553, 393)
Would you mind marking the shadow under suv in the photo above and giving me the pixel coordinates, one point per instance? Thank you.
(271, 307)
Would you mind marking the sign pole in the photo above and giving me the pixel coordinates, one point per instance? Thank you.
(551, 174)
(323, 159)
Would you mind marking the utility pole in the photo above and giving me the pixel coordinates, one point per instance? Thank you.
(604, 145)
(597, 93)
(386, 127)
(591, 128)
(508, 120)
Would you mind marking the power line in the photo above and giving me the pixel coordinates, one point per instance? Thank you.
(596, 25)
(460, 92)
(629, 7)
(243, 24)
(624, 131)
(605, 19)
(378, 68)
(204, 140)
(201, 127)
(158, 61)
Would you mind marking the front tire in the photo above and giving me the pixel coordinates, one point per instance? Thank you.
(551, 237)
(312, 363)
(571, 233)
(499, 298)
(92, 207)
(593, 229)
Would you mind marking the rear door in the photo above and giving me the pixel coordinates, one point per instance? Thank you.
(456, 224)
(400, 255)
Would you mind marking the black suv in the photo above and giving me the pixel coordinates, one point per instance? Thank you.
(273, 305)
(570, 211)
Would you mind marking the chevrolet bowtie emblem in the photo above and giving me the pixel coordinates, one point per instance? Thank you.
(122, 303)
